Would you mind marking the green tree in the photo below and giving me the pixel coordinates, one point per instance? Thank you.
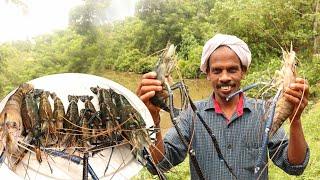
(13, 57)
(165, 21)
(87, 17)
(91, 44)
(266, 25)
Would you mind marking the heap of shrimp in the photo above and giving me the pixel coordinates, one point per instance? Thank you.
(286, 76)
(28, 123)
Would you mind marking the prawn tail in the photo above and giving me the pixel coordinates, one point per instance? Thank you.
(283, 110)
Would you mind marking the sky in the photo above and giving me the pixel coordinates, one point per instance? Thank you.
(45, 16)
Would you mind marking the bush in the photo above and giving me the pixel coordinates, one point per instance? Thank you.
(189, 70)
(145, 65)
(127, 59)
(310, 69)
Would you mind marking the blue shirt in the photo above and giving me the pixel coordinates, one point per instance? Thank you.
(240, 140)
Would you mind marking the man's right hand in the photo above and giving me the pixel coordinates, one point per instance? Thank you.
(146, 90)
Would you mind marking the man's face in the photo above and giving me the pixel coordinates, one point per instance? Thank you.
(224, 72)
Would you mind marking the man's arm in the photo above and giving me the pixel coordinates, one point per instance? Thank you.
(292, 155)
(157, 150)
(169, 151)
(297, 94)
(146, 90)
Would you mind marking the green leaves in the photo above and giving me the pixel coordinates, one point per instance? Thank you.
(87, 17)
(90, 44)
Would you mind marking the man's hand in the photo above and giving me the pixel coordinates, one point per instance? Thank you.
(297, 94)
(146, 90)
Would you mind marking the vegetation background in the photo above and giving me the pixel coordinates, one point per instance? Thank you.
(90, 45)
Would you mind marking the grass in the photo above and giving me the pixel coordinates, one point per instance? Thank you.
(178, 172)
(311, 130)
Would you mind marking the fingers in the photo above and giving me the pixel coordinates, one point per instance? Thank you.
(300, 85)
(294, 93)
(150, 75)
(146, 89)
(301, 80)
(296, 100)
(146, 97)
(299, 105)
(298, 90)
(148, 83)
(150, 79)
(148, 86)
(298, 94)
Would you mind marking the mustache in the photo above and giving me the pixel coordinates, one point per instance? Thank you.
(225, 84)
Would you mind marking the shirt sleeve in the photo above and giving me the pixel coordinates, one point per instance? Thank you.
(278, 149)
(175, 150)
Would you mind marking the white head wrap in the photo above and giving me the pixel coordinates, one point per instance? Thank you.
(236, 44)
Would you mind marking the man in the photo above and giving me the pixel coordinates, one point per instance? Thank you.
(238, 123)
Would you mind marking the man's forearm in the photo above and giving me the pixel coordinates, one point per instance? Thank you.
(297, 148)
(157, 150)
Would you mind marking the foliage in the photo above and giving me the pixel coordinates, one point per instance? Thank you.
(310, 69)
(144, 65)
(91, 44)
(86, 17)
(14, 56)
(267, 30)
(191, 52)
(126, 59)
(170, 20)
(62, 51)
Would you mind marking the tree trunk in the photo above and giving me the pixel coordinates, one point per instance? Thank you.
(316, 29)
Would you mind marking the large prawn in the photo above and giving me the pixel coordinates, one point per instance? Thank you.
(164, 68)
(58, 111)
(58, 114)
(287, 75)
(11, 125)
(46, 118)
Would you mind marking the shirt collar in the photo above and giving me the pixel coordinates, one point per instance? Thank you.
(247, 104)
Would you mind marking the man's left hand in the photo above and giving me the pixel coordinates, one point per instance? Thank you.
(297, 94)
